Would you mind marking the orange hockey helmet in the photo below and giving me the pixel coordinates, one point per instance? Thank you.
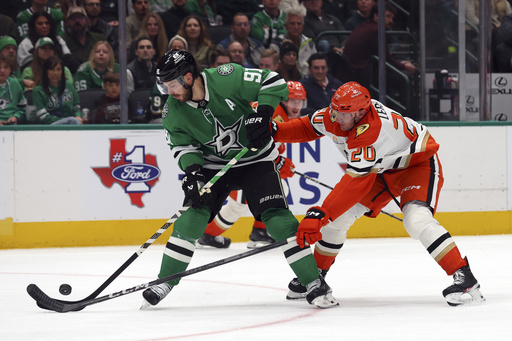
(296, 90)
(349, 98)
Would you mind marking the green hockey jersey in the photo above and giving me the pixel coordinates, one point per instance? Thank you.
(88, 78)
(212, 131)
(12, 100)
(24, 16)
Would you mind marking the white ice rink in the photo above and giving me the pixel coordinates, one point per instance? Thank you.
(388, 289)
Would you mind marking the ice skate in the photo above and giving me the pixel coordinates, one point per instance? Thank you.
(154, 294)
(258, 238)
(465, 289)
(320, 294)
(297, 291)
(218, 242)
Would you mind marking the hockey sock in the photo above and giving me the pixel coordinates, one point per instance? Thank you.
(452, 261)
(213, 229)
(259, 224)
(281, 224)
(324, 260)
(181, 245)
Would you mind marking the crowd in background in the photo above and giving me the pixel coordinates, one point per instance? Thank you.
(53, 52)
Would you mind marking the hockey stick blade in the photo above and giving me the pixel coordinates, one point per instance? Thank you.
(46, 302)
(329, 187)
(41, 303)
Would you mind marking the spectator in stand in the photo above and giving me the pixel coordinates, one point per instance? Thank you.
(207, 10)
(38, 6)
(363, 43)
(12, 100)
(98, 25)
(78, 37)
(219, 57)
(8, 48)
(503, 51)
(294, 24)
(364, 7)
(40, 25)
(199, 44)
(32, 75)
(229, 8)
(237, 54)
(152, 27)
(134, 21)
(173, 16)
(141, 70)
(90, 75)
(268, 23)
(269, 60)
(320, 85)
(499, 8)
(107, 109)
(317, 21)
(159, 5)
(341, 9)
(288, 65)
(177, 43)
(110, 11)
(8, 28)
(240, 31)
(56, 99)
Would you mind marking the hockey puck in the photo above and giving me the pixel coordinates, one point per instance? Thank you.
(65, 289)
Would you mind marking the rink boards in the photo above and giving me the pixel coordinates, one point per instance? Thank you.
(116, 186)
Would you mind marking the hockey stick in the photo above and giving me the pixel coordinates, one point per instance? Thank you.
(64, 307)
(155, 236)
(327, 186)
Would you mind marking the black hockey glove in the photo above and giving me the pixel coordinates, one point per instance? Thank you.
(191, 183)
(257, 126)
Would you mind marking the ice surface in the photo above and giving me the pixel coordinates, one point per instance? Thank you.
(388, 289)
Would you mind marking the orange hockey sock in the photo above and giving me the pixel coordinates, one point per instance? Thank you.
(452, 261)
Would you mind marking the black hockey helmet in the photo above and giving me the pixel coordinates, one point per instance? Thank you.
(174, 65)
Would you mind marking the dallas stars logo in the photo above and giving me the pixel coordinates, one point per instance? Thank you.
(226, 138)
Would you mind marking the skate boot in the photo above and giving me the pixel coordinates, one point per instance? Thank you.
(320, 294)
(463, 283)
(258, 238)
(218, 242)
(297, 291)
(154, 294)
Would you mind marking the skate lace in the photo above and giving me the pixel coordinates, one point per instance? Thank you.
(458, 277)
(161, 290)
(219, 239)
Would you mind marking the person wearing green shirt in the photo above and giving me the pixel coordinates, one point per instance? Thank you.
(101, 60)
(208, 119)
(12, 101)
(268, 23)
(56, 100)
(38, 6)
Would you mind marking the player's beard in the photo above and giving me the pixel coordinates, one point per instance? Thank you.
(187, 94)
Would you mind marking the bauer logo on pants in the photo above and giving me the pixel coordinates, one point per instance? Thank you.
(135, 171)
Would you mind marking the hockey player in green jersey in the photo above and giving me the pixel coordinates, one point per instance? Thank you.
(208, 119)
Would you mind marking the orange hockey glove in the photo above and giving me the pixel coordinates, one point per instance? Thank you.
(308, 232)
(285, 166)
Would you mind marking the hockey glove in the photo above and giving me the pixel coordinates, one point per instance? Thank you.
(308, 232)
(285, 166)
(257, 126)
(191, 183)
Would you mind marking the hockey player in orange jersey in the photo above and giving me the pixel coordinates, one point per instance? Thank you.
(388, 156)
(237, 205)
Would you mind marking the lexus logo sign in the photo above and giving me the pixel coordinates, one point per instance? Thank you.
(500, 82)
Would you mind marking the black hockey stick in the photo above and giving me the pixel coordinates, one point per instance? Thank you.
(327, 186)
(64, 307)
(155, 236)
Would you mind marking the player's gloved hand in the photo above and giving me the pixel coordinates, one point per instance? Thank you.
(191, 183)
(273, 128)
(308, 232)
(285, 166)
(257, 126)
